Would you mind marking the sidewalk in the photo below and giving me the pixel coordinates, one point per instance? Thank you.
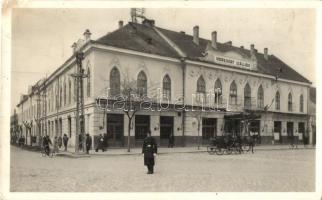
(165, 150)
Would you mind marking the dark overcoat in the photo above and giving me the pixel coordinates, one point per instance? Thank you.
(88, 142)
(148, 149)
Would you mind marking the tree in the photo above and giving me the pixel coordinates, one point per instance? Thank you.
(130, 100)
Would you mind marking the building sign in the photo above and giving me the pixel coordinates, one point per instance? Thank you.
(232, 62)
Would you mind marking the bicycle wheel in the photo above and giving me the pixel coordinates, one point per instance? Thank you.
(228, 151)
(210, 150)
(219, 151)
(246, 147)
(43, 153)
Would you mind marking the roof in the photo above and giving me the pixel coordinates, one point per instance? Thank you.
(144, 38)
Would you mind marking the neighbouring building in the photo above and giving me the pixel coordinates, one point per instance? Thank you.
(187, 69)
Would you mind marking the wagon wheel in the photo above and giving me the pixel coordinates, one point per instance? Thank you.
(219, 151)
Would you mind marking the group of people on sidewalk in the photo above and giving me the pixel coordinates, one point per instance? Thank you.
(58, 142)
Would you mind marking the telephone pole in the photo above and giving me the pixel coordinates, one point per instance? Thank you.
(80, 122)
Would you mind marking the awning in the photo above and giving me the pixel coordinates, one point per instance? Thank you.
(243, 116)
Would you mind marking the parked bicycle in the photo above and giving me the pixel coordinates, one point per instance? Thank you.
(47, 151)
(229, 144)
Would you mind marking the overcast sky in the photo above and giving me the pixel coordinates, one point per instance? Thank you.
(42, 38)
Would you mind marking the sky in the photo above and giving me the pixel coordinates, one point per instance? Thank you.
(42, 38)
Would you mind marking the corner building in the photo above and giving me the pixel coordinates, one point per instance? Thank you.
(187, 69)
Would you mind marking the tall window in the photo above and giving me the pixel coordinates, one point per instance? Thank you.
(69, 91)
(247, 97)
(166, 88)
(260, 97)
(142, 84)
(201, 89)
(233, 93)
(277, 100)
(115, 82)
(218, 92)
(65, 93)
(301, 103)
(289, 102)
(60, 96)
(88, 82)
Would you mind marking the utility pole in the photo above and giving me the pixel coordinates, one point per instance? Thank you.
(80, 124)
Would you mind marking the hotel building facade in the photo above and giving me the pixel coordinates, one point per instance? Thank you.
(180, 68)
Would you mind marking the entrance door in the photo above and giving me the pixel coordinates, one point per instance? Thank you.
(166, 129)
(209, 129)
(290, 132)
(142, 126)
(254, 129)
(278, 130)
(114, 129)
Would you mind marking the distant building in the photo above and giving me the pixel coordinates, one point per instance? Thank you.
(187, 69)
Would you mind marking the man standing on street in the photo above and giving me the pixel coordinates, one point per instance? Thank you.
(149, 150)
(65, 141)
(88, 143)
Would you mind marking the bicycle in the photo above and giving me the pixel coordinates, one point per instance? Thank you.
(44, 152)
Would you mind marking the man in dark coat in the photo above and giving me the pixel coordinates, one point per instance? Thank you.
(46, 143)
(171, 141)
(88, 143)
(65, 141)
(100, 144)
(150, 150)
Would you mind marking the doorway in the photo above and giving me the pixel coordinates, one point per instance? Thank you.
(114, 129)
(166, 129)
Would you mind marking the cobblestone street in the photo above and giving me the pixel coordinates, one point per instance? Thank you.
(271, 171)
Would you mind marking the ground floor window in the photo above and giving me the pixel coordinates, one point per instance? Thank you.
(301, 127)
(142, 126)
(166, 127)
(289, 127)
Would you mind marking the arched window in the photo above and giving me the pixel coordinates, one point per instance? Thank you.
(166, 87)
(301, 103)
(142, 84)
(277, 100)
(115, 82)
(233, 93)
(88, 91)
(218, 92)
(290, 102)
(247, 97)
(201, 89)
(260, 97)
(65, 93)
(69, 91)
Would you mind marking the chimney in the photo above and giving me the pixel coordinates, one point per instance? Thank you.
(196, 35)
(120, 24)
(266, 53)
(87, 35)
(214, 39)
(74, 47)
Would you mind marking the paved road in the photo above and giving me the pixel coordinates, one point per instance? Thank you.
(287, 170)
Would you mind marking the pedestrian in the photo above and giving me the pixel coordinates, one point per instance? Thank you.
(56, 144)
(88, 143)
(80, 142)
(60, 141)
(46, 143)
(171, 141)
(149, 151)
(65, 141)
(100, 144)
(105, 141)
